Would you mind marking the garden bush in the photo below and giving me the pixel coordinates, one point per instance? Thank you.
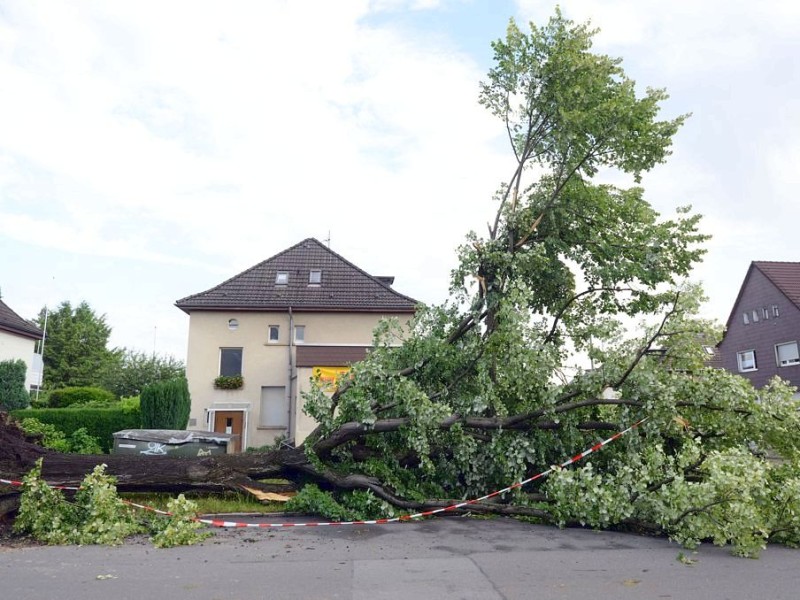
(12, 384)
(99, 423)
(72, 396)
(165, 404)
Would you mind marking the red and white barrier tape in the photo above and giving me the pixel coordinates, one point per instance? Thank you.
(419, 515)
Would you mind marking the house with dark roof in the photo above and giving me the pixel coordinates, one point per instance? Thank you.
(763, 330)
(18, 339)
(257, 339)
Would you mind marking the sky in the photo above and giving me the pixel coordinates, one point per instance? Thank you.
(150, 150)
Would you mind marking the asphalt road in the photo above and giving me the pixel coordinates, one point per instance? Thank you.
(440, 559)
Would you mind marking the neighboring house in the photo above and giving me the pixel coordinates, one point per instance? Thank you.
(18, 339)
(763, 330)
(304, 312)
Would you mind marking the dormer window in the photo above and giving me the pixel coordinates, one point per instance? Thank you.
(282, 278)
(314, 277)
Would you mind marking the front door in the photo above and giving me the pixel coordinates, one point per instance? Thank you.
(230, 421)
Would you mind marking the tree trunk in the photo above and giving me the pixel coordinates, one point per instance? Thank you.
(19, 453)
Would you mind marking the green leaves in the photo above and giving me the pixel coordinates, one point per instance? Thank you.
(97, 515)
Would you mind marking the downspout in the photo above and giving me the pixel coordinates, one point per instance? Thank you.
(291, 373)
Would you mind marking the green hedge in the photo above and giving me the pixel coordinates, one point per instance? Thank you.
(66, 397)
(12, 384)
(166, 404)
(99, 422)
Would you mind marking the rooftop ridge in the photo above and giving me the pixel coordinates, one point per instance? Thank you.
(345, 286)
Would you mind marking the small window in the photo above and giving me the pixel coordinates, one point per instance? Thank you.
(314, 277)
(233, 324)
(765, 313)
(282, 278)
(746, 318)
(274, 333)
(755, 316)
(787, 354)
(230, 362)
(775, 312)
(747, 360)
(299, 334)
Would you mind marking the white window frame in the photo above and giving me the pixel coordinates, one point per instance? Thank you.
(301, 330)
(742, 361)
(789, 362)
(746, 318)
(315, 277)
(277, 337)
(755, 316)
(282, 278)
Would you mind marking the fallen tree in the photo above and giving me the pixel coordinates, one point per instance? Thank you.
(477, 393)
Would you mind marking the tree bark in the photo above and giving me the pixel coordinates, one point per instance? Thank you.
(19, 453)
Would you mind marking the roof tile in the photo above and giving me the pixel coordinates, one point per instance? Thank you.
(785, 276)
(344, 286)
(11, 321)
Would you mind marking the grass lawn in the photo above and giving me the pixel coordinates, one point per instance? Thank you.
(229, 502)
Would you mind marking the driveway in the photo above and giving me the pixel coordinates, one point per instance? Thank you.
(442, 558)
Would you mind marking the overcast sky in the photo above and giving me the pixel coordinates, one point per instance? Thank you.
(149, 150)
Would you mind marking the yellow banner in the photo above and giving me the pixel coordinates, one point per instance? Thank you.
(327, 376)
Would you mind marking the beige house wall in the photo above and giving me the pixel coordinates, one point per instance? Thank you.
(264, 363)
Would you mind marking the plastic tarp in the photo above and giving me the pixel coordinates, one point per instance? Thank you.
(174, 437)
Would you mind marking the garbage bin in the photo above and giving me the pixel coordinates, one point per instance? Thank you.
(172, 442)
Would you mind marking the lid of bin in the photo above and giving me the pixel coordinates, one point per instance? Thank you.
(173, 436)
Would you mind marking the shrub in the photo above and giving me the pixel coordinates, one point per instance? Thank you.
(13, 394)
(75, 396)
(100, 423)
(50, 437)
(165, 404)
(77, 442)
(98, 515)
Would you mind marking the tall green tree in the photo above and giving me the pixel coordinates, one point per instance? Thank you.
(136, 370)
(76, 352)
